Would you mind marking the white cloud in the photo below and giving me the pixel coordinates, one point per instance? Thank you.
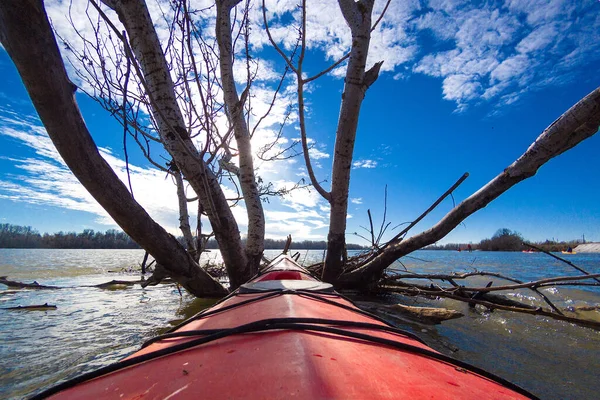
(494, 51)
(364, 164)
(482, 52)
(317, 154)
(538, 39)
(46, 180)
(510, 68)
(356, 200)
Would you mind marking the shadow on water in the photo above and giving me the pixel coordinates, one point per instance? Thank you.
(187, 310)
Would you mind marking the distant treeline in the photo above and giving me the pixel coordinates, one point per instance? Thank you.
(272, 244)
(25, 237)
(507, 240)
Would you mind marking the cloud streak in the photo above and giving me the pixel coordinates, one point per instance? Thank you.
(369, 164)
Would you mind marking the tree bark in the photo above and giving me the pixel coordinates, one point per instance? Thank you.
(26, 35)
(145, 44)
(577, 124)
(358, 18)
(184, 216)
(256, 218)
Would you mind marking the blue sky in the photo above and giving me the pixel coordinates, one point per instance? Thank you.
(464, 88)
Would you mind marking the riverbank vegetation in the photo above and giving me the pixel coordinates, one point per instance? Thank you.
(26, 237)
(506, 240)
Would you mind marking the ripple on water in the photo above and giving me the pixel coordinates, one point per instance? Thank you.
(93, 327)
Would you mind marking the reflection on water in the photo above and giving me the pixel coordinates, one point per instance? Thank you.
(93, 327)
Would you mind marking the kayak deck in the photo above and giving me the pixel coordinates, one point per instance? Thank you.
(282, 338)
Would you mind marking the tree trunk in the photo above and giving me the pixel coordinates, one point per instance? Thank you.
(577, 124)
(27, 37)
(235, 107)
(146, 46)
(184, 217)
(358, 18)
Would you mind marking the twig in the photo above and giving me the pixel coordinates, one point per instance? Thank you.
(371, 225)
(434, 205)
(381, 16)
(531, 284)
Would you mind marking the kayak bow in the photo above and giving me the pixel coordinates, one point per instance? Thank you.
(287, 334)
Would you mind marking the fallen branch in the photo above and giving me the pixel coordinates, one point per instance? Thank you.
(35, 307)
(535, 311)
(457, 291)
(112, 284)
(577, 124)
(532, 284)
(20, 285)
(105, 285)
(431, 208)
(429, 315)
(451, 277)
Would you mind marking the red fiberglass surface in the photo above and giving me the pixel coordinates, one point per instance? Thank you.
(284, 364)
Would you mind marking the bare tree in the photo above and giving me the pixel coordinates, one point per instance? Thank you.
(357, 81)
(235, 107)
(575, 125)
(27, 37)
(131, 75)
(170, 96)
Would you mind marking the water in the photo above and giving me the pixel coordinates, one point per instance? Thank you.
(94, 327)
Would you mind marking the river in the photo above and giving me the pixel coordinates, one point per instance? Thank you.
(93, 327)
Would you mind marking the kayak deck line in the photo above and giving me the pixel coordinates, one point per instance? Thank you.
(287, 337)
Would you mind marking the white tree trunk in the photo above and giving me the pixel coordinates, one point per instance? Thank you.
(27, 37)
(577, 124)
(184, 216)
(358, 18)
(254, 209)
(145, 45)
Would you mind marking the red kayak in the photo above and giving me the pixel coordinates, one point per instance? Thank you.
(285, 334)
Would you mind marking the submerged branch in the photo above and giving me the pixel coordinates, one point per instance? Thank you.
(532, 311)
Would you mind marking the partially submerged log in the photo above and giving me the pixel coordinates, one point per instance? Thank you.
(20, 285)
(114, 284)
(461, 292)
(35, 307)
(428, 315)
(536, 311)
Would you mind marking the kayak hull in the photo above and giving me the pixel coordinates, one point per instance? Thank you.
(346, 354)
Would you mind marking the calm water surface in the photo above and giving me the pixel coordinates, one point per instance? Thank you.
(94, 327)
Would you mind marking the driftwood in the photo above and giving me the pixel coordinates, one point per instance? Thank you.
(583, 308)
(484, 297)
(428, 315)
(529, 285)
(457, 291)
(491, 305)
(36, 307)
(20, 285)
(114, 284)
